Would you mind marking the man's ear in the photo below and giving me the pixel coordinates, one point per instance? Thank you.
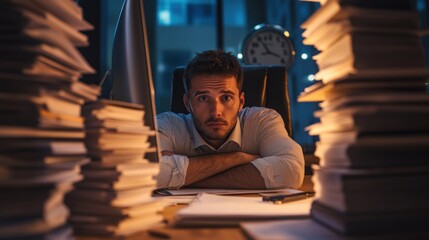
(241, 101)
(186, 102)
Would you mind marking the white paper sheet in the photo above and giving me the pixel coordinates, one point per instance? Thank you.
(209, 205)
(195, 191)
(298, 229)
(173, 200)
(288, 230)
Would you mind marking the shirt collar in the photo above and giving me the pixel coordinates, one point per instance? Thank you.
(198, 141)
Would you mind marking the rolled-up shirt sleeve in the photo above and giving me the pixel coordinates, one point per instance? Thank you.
(172, 168)
(172, 171)
(282, 162)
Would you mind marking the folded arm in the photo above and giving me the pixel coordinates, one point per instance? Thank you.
(282, 161)
(214, 169)
(202, 167)
(245, 176)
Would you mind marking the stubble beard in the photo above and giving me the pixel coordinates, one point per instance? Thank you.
(215, 135)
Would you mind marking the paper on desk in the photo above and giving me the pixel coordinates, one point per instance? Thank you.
(173, 200)
(209, 205)
(289, 229)
(297, 229)
(195, 191)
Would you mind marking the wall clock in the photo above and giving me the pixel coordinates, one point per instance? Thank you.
(268, 45)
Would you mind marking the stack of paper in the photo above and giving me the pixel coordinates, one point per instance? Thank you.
(214, 210)
(309, 229)
(289, 230)
(186, 195)
(114, 198)
(219, 191)
(41, 130)
(373, 127)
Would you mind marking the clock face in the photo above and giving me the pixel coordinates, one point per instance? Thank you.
(268, 46)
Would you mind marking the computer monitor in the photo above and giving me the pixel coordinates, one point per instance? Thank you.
(131, 69)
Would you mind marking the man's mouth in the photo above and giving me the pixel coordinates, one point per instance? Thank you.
(216, 123)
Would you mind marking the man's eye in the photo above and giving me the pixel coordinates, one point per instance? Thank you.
(203, 98)
(226, 98)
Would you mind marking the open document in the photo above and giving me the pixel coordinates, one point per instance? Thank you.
(195, 191)
(213, 210)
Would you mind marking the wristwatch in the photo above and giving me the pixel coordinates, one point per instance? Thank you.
(268, 44)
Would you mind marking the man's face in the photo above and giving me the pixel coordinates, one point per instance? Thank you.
(214, 102)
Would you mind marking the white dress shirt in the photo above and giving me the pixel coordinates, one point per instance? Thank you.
(259, 131)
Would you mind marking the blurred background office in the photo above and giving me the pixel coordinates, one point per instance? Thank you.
(177, 29)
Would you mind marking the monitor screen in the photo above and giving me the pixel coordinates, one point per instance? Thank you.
(131, 69)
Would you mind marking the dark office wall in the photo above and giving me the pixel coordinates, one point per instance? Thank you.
(91, 13)
(256, 12)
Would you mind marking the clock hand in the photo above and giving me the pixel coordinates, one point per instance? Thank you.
(267, 50)
(271, 53)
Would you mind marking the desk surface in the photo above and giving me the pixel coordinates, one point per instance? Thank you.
(166, 232)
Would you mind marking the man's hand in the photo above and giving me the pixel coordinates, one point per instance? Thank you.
(202, 167)
(245, 176)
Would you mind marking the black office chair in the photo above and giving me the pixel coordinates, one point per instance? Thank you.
(263, 86)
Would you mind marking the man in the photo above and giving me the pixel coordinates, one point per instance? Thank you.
(220, 144)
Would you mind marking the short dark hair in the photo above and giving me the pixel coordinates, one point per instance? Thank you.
(213, 62)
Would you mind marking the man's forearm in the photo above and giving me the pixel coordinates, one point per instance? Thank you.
(244, 176)
(202, 167)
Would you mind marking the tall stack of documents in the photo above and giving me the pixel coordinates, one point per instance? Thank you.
(373, 129)
(114, 199)
(41, 130)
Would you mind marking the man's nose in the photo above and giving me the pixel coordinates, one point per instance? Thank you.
(216, 108)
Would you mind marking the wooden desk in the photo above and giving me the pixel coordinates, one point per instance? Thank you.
(166, 232)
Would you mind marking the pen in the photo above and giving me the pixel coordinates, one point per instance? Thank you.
(284, 198)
